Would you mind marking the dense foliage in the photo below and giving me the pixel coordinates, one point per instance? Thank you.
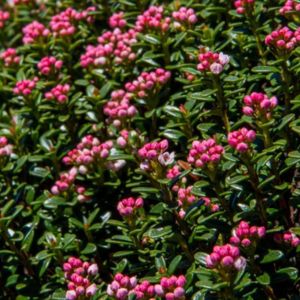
(149, 149)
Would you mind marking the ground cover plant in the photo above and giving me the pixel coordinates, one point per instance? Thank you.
(149, 149)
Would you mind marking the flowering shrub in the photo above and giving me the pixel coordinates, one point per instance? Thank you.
(149, 149)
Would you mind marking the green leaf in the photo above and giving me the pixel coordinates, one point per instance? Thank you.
(263, 279)
(174, 264)
(284, 274)
(90, 248)
(161, 232)
(265, 69)
(200, 257)
(293, 158)
(271, 256)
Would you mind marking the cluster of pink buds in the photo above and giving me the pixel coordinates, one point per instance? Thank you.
(283, 40)
(117, 20)
(5, 148)
(81, 194)
(114, 48)
(204, 153)
(172, 173)
(49, 64)
(184, 16)
(186, 199)
(225, 257)
(4, 16)
(10, 57)
(259, 105)
(155, 152)
(212, 206)
(241, 139)
(152, 150)
(122, 140)
(128, 206)
(287, 238)
(119, 108)
(290, 6)
(79, 275)
(189, 76)
(153, 19)
(63, 23)
(121, 286)
(34, 32)
(148, 84)
(212, 61)
(245, 234)
(243, 5)
(144, 291)
(25, 87)
(65, 182)
(23, 2)
(171, 288)
(59, 93)
(87, 152)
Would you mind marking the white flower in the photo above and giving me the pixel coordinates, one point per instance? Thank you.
(216, 68)
(166, 158)
(223, 58)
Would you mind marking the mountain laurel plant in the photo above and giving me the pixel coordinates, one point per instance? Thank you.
(149, 149)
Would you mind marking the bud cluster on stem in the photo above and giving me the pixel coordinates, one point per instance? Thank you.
(129, 206)
(226, 257)
(288, 238)
(88, 152)
(10, 57)
(114, 47)
(212, 61)
(35, 32)
(204, 153)
(79, 276)
(59, 93)
(153, 20)
(185, 17)
(290, 6)
(155, 153)
(245, 235)
(244, 5)
(259, 106)
(117, 20)
(282, 40)
(25, 87)
(148, 83)
(49, 65)
(4, 16)
(64, 23)
(119, 109)
(6, 149)
(241, 139)
(171, 288)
